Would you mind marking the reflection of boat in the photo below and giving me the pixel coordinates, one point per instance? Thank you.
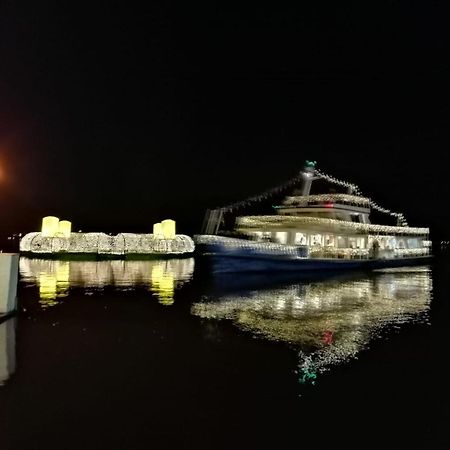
(325, 231)
(329, 322)
(7, 349)
(228, 282)
(54, 277)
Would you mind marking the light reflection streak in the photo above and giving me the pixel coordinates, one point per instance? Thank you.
(55, 277)
(328, 322)
(163, 284)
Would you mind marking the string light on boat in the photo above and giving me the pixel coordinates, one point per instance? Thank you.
(264, 196)
(333, 224)
(401, 221)
(353, 190)
(304, 200)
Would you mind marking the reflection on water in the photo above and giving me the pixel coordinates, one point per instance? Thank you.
(7, 349)
(329, 322)
(163, 284)
(54, 283)
(54, 277)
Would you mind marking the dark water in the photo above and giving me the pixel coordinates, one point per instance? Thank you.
(152, 354)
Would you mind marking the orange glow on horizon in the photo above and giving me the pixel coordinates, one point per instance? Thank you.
(2, 171)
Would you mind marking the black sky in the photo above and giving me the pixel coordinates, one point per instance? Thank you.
(115, 116)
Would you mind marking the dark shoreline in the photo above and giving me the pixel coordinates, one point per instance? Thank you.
(102, 257)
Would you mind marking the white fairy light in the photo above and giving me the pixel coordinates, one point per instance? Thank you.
(332, 224)
(346, 198)
(102, 244)
(356, 189)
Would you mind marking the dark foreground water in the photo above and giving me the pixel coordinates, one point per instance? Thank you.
(153, 354)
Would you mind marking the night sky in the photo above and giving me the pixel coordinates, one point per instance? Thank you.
(116, 116)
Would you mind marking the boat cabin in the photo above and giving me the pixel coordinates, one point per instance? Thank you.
(333, 225)
(346, 207)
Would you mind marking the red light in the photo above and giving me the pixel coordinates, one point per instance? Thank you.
(329, 205)
(327, 337)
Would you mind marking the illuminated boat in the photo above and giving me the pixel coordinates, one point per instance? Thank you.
(312, 232)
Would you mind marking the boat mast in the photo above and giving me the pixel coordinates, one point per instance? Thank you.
(308, 175)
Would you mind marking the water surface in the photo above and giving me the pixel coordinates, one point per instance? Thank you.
(139, 354)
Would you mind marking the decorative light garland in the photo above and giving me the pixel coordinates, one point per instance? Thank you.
(333, 224)
(292, 182)
(232, 245)
(241, 247)
(303, 200)
(101, 243)
(257, 198)
(354, 188)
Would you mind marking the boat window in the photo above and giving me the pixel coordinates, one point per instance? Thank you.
(401, 243)
(281, 237)
(356, 242)
(352, 242)
(413, 243)
(300, 239)
(391, 242)
(361, 242)
(316, 239)
(386, 242)
(342, 216)
(341, 242)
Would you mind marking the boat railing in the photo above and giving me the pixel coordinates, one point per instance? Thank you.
(411, 252)
(249, 247)
(339, 253)
(362, 253)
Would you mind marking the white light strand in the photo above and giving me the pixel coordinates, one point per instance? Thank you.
(354, 188)
(263, 222)
(303, 200)
(103, 244)
(262, 196)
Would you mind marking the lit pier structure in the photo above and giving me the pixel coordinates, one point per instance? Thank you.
(56, 240)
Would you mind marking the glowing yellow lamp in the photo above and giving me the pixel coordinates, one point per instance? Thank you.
(168, 228)
(50, 226)
(64, 228)
(157, 230)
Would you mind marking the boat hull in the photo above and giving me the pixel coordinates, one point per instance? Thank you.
(231, 255)
(234, 264)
